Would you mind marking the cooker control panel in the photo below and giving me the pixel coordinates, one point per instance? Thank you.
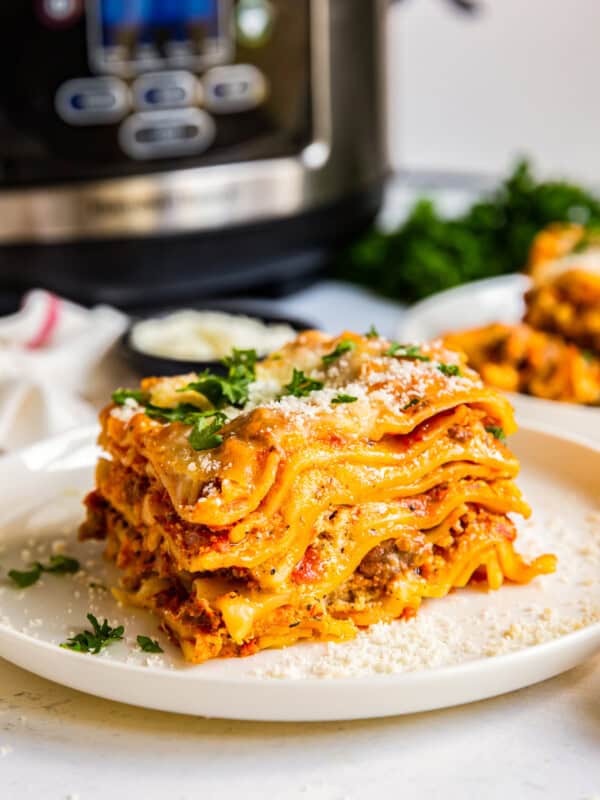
(125, 86)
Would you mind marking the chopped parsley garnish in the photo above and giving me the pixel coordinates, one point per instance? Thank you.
(220, 391)
(182, 412)
(301, 385)
(406, 351)
(149, 645)
(496, 432)
(95, 640)
(372, 333)
(344, 398)
(449, 370)
(232, 390)
(58, 564)
(119, 396)
(345, 346)
(204, 434)
(412, 402)
(589, 355)
(26, 578)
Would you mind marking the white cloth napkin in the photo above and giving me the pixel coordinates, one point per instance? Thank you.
(56, 366)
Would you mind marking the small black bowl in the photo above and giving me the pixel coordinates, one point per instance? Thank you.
(145, 364)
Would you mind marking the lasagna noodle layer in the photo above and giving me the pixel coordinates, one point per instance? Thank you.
(283, 523)
(228, 614)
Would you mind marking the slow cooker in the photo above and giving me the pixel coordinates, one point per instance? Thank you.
(156, 150)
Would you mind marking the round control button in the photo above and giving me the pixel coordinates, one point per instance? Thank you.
(234, 88)
(92, 101)
(156, 90)
(161, 134)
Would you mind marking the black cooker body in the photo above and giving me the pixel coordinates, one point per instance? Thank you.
(153, 150)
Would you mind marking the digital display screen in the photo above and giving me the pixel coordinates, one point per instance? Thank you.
(144, 34)
(176, 19)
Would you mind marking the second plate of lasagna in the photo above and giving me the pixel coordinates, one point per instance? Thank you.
(265, 544)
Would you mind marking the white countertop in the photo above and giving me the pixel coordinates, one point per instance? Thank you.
(539, 742)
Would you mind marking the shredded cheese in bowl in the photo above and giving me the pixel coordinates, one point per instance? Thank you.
(190, 335)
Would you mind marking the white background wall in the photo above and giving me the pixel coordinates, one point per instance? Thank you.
(469, 93)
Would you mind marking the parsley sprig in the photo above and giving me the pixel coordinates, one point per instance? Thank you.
(149, 645)
(406, 351)
(121, 395)
(414, 401)
(345, 346)
(95, 640)
(497, 432)
(301, 385)
(231, 390)
(372, 333)
(344, 398)
(449, 370)
(58, 564)
(204, 434)
(219, 391)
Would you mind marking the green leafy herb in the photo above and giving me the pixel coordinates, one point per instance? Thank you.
(61, 565)
(344, 398)
(204, 434)
(429, 252)
(589, 355)
(342, 347)
(413, 402)
(219, 391)
(590, 238)
(232, 390)
(301, 385)
(95, 640)
(372, 333)
(182, 412)
(149, 645)
(406, 351)
(449, 370)
(119, 396)
(26, 578)
(497, 432)
(241, 364)
(58, 564)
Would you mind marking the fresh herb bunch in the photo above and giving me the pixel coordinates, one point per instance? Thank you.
(429, 253)
(58, 564)
(95, 640)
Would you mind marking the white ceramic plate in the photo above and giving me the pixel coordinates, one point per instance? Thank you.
(442, 658)
(480, 303)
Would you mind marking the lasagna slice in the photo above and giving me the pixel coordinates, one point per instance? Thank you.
(335, 484)
(564, 265)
